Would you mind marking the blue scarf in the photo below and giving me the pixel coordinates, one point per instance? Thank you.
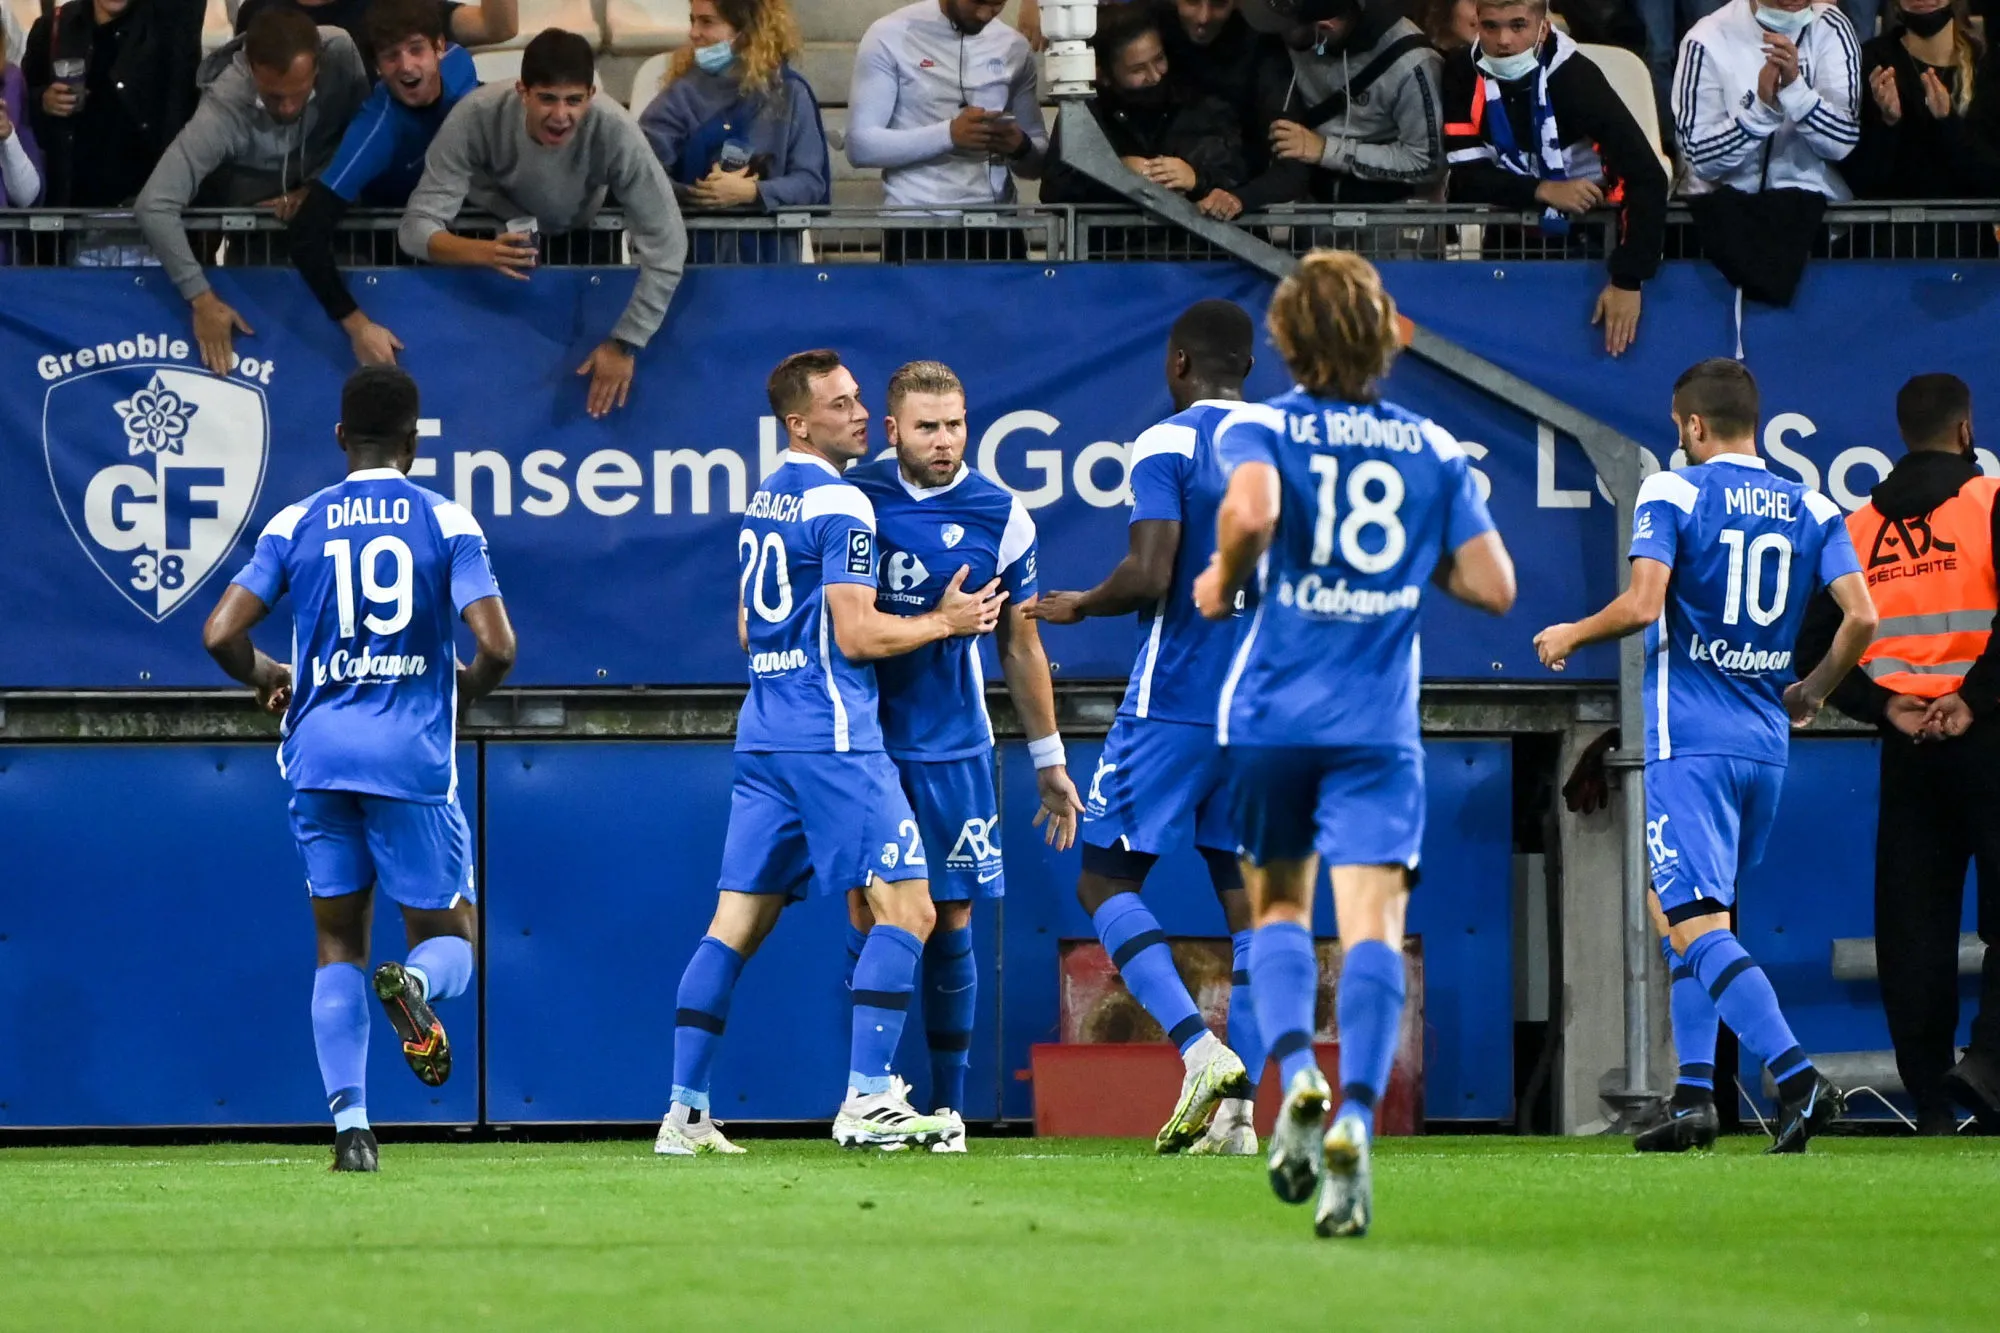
(1550, 163)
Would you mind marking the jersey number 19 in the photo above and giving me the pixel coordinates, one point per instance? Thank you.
(396, 593)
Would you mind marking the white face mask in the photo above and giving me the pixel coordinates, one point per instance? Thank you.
(1785, 22)
(1517, 66)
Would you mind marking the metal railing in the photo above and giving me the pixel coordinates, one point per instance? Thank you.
(1949, 230)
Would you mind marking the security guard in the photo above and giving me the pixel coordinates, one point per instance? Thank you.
(1931, 682)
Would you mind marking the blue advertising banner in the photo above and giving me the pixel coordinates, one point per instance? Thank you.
(133, 482)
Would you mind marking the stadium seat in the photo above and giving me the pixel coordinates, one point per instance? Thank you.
(828, 67)
(578, 16)
(853, 187)
(641, 27)
(218, 25)
(16, 18)
(1633, 82)
(646, 82)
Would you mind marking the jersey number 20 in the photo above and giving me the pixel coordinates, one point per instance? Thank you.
(1747, 594)
(396, 593)
(1363, 512)
(760, 564)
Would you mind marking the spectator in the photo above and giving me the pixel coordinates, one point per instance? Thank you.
(1920, 80)
(943, 101)
(735, 126)
(484, 24)
(1360, 122)
(274, 103)
(1179, 140)
(1765, 101)
(1541, 125)
(20, 158)
(1451, 25)
(544, 148)
(103, 131)
(381, 156)
(1212, 51)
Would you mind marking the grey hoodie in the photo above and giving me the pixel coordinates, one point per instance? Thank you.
(252, 156)
(1393, 133)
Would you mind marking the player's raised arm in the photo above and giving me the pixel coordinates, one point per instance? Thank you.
(1137, 581)
(227, 638)
(1627, 613)
(865, 634)
(1243, 529)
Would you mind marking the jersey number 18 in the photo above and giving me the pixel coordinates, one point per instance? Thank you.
(1363, 512)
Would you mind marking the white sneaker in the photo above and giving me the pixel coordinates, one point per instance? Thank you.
(955, 1141)
(1231, 1134)
(1214, 1074)
(886, 1119)
(678, 1138)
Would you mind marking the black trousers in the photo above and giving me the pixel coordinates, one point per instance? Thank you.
(1940, 810)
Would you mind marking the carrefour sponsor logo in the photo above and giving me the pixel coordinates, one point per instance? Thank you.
(366, 667)
(769, 664)
(1747, 658)
(1312, 595)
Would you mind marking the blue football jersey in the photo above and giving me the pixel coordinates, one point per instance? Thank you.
(1747, 549)
(379, 570)
(1372, 497)
(934, 699)
(805, 528)
(1183, 657)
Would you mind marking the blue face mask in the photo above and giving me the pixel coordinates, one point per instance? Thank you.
(1506, 68)
(715, 59)
(1785, 22)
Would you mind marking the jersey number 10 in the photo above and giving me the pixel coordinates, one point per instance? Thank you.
(396, 593)
(1363, 512)
(1747, 595)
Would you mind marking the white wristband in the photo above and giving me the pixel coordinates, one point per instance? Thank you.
(1048, 751)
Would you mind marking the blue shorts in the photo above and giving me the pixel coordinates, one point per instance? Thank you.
(957, 810)
(1356, 805)
(804, 823)
(1708, 818)
(1156, 784)
(418, 854)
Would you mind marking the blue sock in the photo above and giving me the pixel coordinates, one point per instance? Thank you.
(1244, 1036)
(445, 964)
(1139, 951)
(701, 1011)
(1284, 981)
(857, 939)
(1694, 1031)
(1744, 999)
(340, 1035)
(951, 987)
(1369, 1009)
(884, 979)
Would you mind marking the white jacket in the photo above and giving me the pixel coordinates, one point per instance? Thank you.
(1729, 136)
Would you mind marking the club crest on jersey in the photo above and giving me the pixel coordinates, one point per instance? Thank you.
(157, 468)
(952, 533)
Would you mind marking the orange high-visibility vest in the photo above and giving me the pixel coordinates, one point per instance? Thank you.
(1934, 588)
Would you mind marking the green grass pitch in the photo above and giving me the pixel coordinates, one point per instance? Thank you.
(1485, 1233)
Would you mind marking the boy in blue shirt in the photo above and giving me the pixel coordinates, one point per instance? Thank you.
(1725, 557)
(379, 570)
(381, 156)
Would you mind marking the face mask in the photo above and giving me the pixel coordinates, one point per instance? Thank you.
(1785, 22)
(1145, 98)
(714, 59)
(1517, 66)
(1925, 25)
